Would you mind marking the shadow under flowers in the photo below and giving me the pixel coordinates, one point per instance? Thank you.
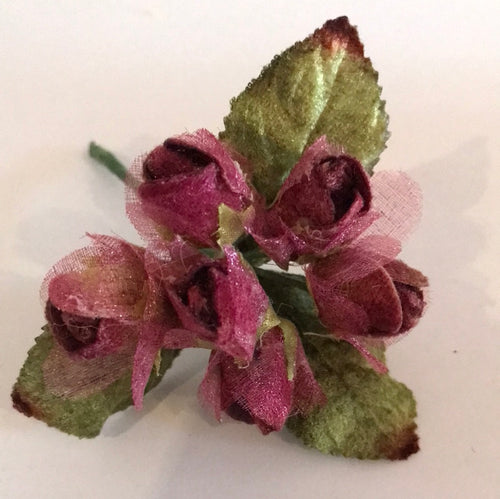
(449, 359)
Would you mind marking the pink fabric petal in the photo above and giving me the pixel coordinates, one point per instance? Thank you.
(319, 150)
(180, 338)
(204, 141)
(319, 242)
(188, 320)
(111, 337)
(354, 295)
(360, 344)
(410, 286)
(150, 341)
(178, 187)
(72, 332)
(320, 187)
(191, 295)
(303, 194)
(398, 200)
(339, 313)
(103, 280)
(167, 264)
(73, 377)
(262, 389)
(405, 274)
(272, 235)
(307, 394)
(241, 304)
(221, 302)
(353, 262)
(147, 228)
(209, 392)
(185, 204)
(164, 162)
(170, 262)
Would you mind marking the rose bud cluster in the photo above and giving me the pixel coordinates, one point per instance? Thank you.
(123, 304)
(189, 288)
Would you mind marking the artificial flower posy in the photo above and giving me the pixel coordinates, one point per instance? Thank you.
(280, 184)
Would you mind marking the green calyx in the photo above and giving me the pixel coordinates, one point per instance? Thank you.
(83, 417)
(320, 86)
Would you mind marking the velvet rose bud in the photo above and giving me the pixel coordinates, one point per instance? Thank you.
(91, 291)
(220, 303)
(323, 203)
(103, 302)
(72, 332)
(409, 284)
(180, 186)
(359, 304)
(261, 393)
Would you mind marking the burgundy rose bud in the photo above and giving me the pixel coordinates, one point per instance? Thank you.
(324, 202)
(106, 301)
(332, 186)
(409, 284)
(183, 183)
(93, 290)
(221, 302)
(262, 392)
(363, 297)
(197, 294)
(71, 331)
(382, 304)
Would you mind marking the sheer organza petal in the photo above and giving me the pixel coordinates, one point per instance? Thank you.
(73, 377)
(261, 392)
(241, 304)
(307, 393)
(398, 200)
(186, 204)
(149, 343)
(362, 346)
(147, 228)
(210, 389)
(177, 189)
(355, 261)
(204, 141)
(112, 336)
(104, 280)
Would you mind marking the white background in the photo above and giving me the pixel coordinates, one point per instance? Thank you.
(129, 74)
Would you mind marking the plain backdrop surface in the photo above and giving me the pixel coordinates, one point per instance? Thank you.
(129, 74)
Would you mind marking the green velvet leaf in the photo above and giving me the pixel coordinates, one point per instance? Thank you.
(83, 417)
(367, 415)
(321, 86)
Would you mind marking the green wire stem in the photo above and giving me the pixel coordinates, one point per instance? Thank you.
(108, 160)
